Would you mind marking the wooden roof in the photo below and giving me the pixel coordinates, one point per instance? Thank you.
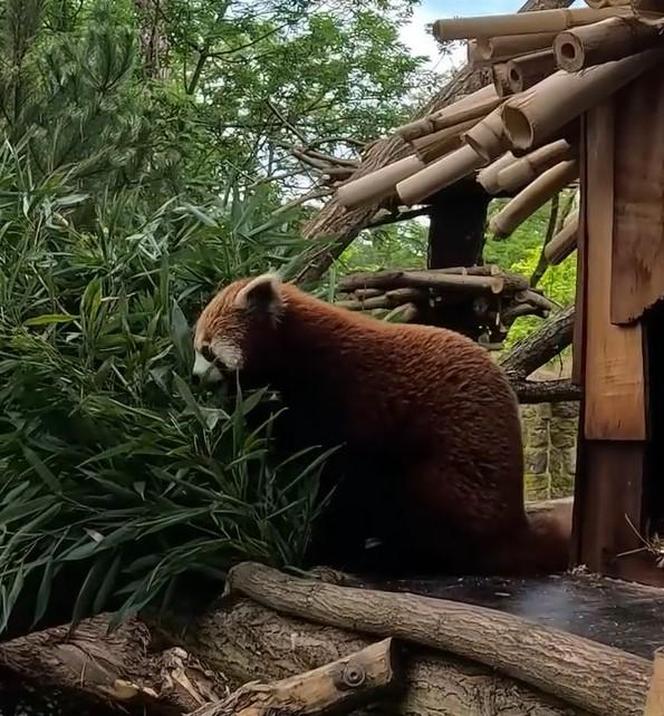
(519, 135)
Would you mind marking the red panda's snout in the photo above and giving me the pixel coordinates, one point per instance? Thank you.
(231, 333)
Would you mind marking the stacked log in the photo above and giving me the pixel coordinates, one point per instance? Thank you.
(497, 298)
(549, 67)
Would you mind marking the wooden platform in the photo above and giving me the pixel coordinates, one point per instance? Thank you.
(626, 616)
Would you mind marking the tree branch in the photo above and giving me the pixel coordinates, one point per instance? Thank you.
(542, 263)
(541, 345)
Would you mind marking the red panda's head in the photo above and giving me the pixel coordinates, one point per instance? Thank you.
(236, 327)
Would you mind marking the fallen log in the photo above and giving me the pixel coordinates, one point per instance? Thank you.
(591, 676)
(342, 685)
(241, 641)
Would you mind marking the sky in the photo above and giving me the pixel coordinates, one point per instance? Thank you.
(415, 35)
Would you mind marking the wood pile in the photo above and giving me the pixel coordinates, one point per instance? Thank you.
(519, 136)
(497, 298)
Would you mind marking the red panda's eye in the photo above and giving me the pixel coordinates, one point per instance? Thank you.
(207, 353)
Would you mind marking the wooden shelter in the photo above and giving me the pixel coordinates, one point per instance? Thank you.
(577, 98)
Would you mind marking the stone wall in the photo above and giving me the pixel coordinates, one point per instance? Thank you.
(549, 443)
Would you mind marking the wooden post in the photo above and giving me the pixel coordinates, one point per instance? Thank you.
(456, 231)
(637, 270)
(609, 488)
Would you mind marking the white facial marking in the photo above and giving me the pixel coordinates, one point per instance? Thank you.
(228, 353)
(204, 370)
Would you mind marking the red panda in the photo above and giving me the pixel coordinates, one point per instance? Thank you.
(431, 460)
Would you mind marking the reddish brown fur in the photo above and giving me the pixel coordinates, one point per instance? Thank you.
(432, 454)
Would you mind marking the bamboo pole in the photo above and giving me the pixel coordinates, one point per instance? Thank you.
(533, 197)
(498, 49)
(526, 169)
(433, 146)
(472, 106)
(488, 137)
(437, 176)
(377, 185)
(564, 242)
(526, 71)
(534, 115)
(489, 175)
(521, 23)
(608, 40)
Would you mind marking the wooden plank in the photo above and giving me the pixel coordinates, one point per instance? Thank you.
(637, 274)
(614, 365)
(610, 495)
(578, 343)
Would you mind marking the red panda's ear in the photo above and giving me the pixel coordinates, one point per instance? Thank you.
(262, 295)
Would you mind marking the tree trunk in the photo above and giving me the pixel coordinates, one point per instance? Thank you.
(240, 642)
(333, 222)
(591, 676)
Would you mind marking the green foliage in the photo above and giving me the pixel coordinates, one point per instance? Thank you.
(391, 246)
(520, 254)
(108, 456)
(137, 172)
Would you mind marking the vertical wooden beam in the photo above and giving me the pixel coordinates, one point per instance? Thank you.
(579, 338)
(458, 221)
(612, 445)
(614, 365)
(637, 278)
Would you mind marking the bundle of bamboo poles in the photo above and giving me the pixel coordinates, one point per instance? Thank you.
(496, 298)
(518, 136)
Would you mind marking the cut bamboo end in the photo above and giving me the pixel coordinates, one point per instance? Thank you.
(487, 138)
(608, 40)
(506, 47)
(533, 116)
(564, 242)
(377, 185)
(501, 80)
(472, 106)
(488, 177)
(438, 175)
(521, 23)
(533, 197)
(525, 170)
(524, 72)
